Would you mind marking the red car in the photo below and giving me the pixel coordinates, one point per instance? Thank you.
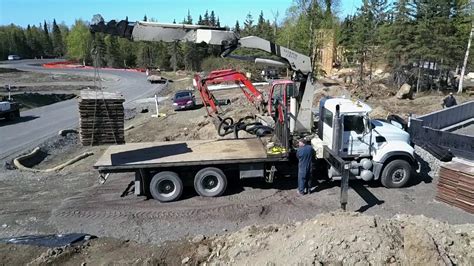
(184, 100)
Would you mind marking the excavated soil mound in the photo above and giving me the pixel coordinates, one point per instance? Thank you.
(348, 238)
(328, 239)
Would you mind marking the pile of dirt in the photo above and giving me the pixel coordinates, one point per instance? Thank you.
(347, 238)
(328, 239)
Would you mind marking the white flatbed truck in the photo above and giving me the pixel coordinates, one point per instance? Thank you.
(163, 168)
(350, 142)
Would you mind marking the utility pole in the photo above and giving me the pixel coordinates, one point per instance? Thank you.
(466, 56)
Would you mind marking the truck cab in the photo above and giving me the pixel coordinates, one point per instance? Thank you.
(376, 149)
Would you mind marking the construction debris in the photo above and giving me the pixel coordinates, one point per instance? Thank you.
(456, 185)
(101, 118)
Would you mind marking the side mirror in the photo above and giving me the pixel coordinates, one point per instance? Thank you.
(366, 125)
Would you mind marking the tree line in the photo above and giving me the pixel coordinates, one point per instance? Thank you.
(414, 38)
(423, 41)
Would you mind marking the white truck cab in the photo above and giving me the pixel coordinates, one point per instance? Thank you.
(376, 149)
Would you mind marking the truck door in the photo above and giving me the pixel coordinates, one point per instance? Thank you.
(276, 96)
(327, 121)
(356, 136)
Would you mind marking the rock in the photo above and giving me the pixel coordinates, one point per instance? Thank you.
(352, 238)
(203, 251)
(378, 72)
(185, 260)
(233, 253)
(198, 238)
(405, 92)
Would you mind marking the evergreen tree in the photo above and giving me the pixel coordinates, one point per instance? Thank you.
(189, 49)
(113, 55)
(189, 19)
(57, 40)
(237, 27)
(47, 44)
(264, 28)
(248, 25)
(33, 40)
(145, 18)
(205, 21)
(366, 37)
(212, 19)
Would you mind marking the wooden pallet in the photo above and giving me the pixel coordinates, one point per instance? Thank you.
(101, 118)
(456, 185)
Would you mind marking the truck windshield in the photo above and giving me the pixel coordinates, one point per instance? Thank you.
(354, 123)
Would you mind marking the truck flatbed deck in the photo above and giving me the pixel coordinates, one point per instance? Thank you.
(131, 156)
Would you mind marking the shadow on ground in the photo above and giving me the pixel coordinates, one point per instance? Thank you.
(4, 122)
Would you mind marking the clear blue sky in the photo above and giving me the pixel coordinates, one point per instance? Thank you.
(24, 12)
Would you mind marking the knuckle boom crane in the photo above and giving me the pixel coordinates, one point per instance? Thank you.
(350, 142)
(228, 41)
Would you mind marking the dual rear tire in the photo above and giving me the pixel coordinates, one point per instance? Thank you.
(167, 186)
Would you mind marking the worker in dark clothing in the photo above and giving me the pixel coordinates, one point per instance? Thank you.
(305, 156)
(449, 101)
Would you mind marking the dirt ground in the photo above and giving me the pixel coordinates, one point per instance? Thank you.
(72, 200)
(25, 81)
(327, 239)
(32, 89)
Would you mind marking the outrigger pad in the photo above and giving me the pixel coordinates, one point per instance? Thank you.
(51, 241)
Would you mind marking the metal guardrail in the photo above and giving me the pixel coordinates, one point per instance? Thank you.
(429, 129)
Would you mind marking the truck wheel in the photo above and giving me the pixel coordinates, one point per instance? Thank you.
(396, 174)
(210, 182)
(166, 186)
(11, 116)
